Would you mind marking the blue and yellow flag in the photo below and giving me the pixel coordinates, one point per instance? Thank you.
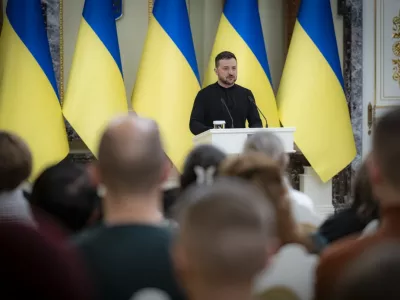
(95, 91)
(29, 104)
(311, 95)
(168, 77)
(240, 32)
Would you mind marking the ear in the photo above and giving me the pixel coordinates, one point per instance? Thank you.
(215, 71)
(94, 174)
(166, 170)
(374, 173)
(180, 260)
(270, 251)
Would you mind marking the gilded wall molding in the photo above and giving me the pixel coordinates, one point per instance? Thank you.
(396, 48)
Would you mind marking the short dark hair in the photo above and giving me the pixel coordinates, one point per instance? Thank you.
(65, 192)
(15, 161)
(229, 224)
(204, 156)
(364, 201)
(386, 145)
(224, 55)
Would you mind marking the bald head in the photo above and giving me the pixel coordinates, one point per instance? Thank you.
(131, 156)
(225, 230)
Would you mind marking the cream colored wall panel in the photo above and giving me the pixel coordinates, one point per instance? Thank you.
(338, 24)
(273, 24)
(212, 15)
(196, 15)
(72, 16)
(132, 29)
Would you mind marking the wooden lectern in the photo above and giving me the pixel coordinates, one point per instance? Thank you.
(231, 141)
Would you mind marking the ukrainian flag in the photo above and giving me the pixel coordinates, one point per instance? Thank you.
(95, 91)
(168, 77)
(240, 32)
(29, 105)
(311, 93)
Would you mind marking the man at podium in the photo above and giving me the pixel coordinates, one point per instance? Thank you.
(224, 100)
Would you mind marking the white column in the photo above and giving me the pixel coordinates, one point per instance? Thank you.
(318, 191)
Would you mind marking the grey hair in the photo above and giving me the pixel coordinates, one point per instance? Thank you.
(269, 144)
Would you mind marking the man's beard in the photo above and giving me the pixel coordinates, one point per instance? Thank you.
(226, 80)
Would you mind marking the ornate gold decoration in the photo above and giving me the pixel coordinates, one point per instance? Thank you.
(396, 48)
(396, 27)
(396, 70)
(61, 52)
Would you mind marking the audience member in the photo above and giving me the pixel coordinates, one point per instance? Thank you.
(372, 276)
(363, 210)
(128, 254)
(34, 266)
(226, 233)
(302, 206)
(383, 168)
(263, 171)
(201, 165)
(292, 253)
(15, 168)
(65, 194)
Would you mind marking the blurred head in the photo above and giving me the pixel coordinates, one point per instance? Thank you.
(225, 233)
(226, 68)
(35, 265)
(131, 159)
(260, 170)
(65, 192)
(384, 163)
(373, 276)
(269, 144)
(201, 159)
(15, 161)
(364, 201)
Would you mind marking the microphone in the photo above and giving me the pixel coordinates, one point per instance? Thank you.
(251, 99)
(223, 102)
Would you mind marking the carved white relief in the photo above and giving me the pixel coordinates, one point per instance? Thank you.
(387, 42)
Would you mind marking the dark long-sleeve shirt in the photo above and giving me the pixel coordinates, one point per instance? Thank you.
(208, 107)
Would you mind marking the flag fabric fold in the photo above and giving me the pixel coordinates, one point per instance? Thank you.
(168, 77)
(95, 91)
(29, 104)
(240, 32)
(311, 94)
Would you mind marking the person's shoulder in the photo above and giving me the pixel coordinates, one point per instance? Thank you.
(335, 258)
(242, 89)
(208, 89)
(302, 199)
(87, 235)
(340, 253)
